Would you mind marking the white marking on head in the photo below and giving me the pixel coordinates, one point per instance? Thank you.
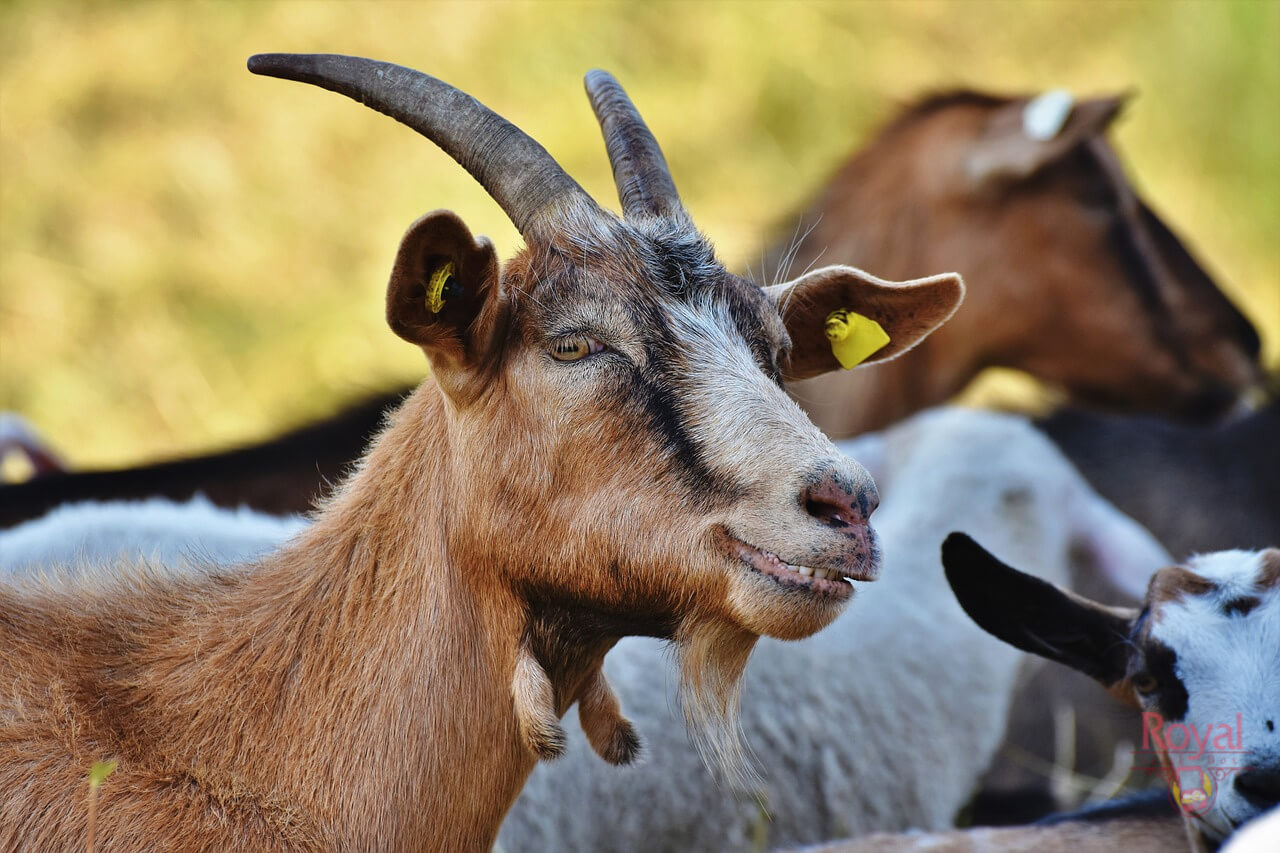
(735, 410)
(1045, 115)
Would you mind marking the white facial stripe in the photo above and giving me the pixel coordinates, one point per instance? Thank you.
(748, 426)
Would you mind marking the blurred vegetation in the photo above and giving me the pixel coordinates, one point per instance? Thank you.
(191, 256)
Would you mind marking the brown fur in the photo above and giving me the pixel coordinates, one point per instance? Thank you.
(266, 708)
(610, 734)
(1173, 584)
(389, 678)
(535, 702)
(1071, 278)
(1270, 575)
(349, 687)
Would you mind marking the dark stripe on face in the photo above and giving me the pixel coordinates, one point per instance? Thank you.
(746, 305)
(681, 265)
(656, 393)
(1125, 244)
(1170, 696)
(1241, 606)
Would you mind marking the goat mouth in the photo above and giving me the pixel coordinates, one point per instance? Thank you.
(828, 583)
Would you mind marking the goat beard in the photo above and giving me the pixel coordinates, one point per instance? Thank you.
(713, 656)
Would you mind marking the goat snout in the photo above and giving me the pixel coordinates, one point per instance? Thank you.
(839, 500)
(1260, 786)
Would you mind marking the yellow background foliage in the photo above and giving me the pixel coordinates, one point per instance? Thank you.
(191, 256)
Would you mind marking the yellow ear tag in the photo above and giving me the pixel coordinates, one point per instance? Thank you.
(436, 285)
(854, 338)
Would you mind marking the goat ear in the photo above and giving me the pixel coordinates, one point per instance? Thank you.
(1036, 616)
(1028, 134)
(906, 311)
(444, 292)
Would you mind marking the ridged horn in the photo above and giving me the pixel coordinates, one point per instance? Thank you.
(513, 168)
(639, 169)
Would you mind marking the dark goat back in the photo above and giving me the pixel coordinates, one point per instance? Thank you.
(1195, 488)
(282, 475)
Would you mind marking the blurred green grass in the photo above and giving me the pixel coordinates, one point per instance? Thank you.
(191, 256)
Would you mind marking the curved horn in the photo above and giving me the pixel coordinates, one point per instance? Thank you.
(518, 172)
(639, 169)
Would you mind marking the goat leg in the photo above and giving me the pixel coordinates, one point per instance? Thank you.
(611, 735)
(536, 707)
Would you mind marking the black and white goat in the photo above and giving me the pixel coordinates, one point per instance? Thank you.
(1201, 659)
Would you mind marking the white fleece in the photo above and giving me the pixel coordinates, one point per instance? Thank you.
(95, 535)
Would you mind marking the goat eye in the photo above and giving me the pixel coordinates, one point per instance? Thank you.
(1145, 682)
(575, 347)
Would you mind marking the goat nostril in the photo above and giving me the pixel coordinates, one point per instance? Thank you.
(1260, 787)
(838, 500)
(829, 513)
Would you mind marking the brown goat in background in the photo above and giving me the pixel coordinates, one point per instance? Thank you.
(604, 448)
(1072, 279)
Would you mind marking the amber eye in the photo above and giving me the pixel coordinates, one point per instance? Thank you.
(575, 347)
(1145, 682)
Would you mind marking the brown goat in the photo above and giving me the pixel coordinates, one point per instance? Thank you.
(1072, 277)
(604, 449)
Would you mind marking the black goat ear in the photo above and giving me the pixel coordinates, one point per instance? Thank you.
(444, 294)
(1036, 616)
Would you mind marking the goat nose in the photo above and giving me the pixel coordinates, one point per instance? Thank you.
(1261, 787)
(838, 500)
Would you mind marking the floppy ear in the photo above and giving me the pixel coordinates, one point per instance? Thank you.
(444, 295)
(907, 311)
(1027, 134)
(1038, 617)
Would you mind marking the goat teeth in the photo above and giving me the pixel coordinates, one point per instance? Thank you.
(805, 570)
(820, 573)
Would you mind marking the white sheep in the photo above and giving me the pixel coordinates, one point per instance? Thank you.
(94, 535)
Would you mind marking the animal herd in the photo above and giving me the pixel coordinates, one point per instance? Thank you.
(796, 599)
